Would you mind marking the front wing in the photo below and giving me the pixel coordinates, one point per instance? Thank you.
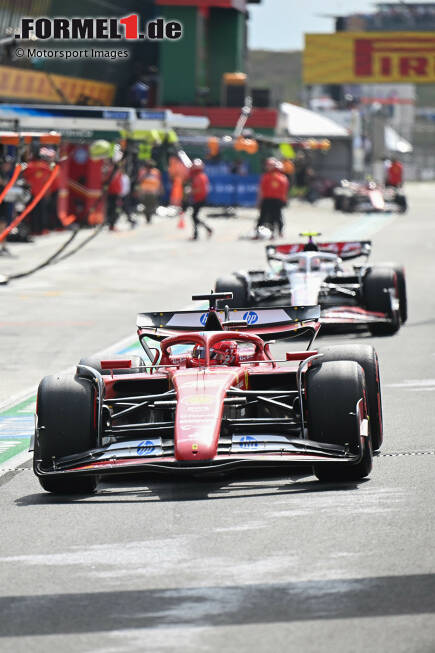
(352, 315)
(148, 456)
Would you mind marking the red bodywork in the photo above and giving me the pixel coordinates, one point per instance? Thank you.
(201, 390)
(195, 411)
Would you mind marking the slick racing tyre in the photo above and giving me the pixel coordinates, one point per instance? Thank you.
(66, 426)
(233, 284)
(399, 270)
(95, 362)
(402, 203)
(349, 204)
(366, 356)
(333, 391)
(377, 282)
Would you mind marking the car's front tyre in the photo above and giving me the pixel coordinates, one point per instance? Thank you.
(66, 412)
(333, 392)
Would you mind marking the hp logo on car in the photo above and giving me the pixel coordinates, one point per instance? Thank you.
(145, 448)
(251, 317)
(203, 318)
(248, 442)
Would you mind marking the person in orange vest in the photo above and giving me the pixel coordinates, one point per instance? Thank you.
(288, 168)
(149, 188)
(36, 174)
(394, 174)
(200, 187)
(273, 195)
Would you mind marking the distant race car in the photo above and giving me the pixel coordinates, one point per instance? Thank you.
(366, 296)
(211, 399)
(351, 196)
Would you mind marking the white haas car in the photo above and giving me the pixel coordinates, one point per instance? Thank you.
(363, 296)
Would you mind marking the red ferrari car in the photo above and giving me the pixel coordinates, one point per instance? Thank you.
(211, 398)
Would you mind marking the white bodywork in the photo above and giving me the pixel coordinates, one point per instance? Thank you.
(306, 272)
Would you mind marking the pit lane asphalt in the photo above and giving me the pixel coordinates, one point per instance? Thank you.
(244, 564)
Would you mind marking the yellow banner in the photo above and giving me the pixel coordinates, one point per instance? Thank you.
(364, 57)
(19, 84)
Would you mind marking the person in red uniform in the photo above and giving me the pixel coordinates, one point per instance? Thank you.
(36, 174)
(114, 191)
(395, 174)
(200, 188)
(49, 155)
(273, 195)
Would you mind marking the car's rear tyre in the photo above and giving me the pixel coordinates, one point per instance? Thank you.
(338, 202)
(333, 391)
(366, 356)
(376, 284)
(66, 426)
(349, 204)
(401, 288)
(233, 284)
(402, 203)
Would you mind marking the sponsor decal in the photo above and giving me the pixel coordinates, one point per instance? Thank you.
(97, 29)
(360, 57)
(145, 448)
(196, 400)
(81, 155)
(33, 85)
(248, 442)
(251, 317)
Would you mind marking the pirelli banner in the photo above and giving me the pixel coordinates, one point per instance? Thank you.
(19, 84)
(364, 57)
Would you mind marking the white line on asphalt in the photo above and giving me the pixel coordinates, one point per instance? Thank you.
(414, 384)
(364, 226)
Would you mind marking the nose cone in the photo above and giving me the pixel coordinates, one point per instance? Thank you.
(198, 417)
(305, 288)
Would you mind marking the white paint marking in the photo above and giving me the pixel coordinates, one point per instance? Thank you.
(414, 384)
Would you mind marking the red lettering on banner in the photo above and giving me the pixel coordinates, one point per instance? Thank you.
(407, 57)
(414, 66)
(386, 66)
(16, 87)
(29, 85)
(41, 87)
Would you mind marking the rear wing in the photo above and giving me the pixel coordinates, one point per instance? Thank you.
(344, 249)
(277, 322)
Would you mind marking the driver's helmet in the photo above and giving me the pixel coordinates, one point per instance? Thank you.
(197, 165)
(223, 353)
(315, 263)
(302, 264)
(271, 164)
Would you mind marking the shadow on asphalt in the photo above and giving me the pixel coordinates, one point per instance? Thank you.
(152, 491)
(105, 611)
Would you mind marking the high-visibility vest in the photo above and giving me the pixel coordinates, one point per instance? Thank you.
(150, 182)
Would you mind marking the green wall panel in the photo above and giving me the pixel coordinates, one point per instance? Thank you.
(180, 73)
(226, 48)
